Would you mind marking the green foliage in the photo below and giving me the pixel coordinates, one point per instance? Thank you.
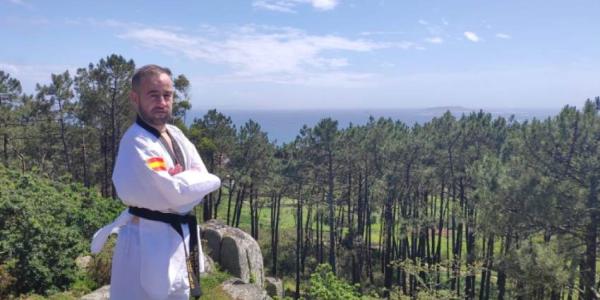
(427, 295)
(210, 285)
(83, 284)
(44, 227)
(324, 285)
(214, 136)
(9, 85)
(100, 266)
(541, 265)
(425, 277)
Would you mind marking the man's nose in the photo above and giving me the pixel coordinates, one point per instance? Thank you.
(163, 100)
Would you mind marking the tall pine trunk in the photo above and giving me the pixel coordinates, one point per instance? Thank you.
(299, 252)
(501, 273)
(331, 215)
(63, 138)
(229, 196)
(388, 222)
(588, 270)
(275, 213)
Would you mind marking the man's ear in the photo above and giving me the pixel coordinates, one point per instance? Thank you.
(134, 98)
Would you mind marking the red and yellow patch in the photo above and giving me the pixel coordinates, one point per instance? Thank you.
(156, 164)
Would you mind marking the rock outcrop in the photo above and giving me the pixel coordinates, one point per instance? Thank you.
(235, 251)
(209, 265)
(83, 262)
(274, 287)
(239, 290)
(102, 293)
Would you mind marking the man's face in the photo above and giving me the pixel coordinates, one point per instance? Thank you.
(154, 99)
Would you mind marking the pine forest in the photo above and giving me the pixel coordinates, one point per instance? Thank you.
(460, 207)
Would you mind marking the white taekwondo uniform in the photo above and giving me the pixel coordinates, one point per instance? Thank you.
(149, 261)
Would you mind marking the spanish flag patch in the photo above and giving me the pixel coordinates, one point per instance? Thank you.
(156, 163)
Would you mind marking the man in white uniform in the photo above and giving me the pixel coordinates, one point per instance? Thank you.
(160, 176)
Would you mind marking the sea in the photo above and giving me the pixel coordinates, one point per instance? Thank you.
(282, 126)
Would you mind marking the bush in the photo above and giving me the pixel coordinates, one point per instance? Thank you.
(324, 285)
(101, 264)
(44, 227)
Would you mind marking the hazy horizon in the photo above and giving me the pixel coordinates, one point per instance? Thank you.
(441, 107)
(284, 125)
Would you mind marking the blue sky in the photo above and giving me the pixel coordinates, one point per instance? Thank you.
(280, 54)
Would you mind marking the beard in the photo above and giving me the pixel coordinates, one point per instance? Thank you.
(155, 118)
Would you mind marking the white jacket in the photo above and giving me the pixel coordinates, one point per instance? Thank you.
(141, 179)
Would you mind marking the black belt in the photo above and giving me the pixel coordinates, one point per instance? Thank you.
(176, 221)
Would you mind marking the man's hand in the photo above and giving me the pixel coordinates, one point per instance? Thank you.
(177, 169)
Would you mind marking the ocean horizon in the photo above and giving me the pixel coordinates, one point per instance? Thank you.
(283, 125)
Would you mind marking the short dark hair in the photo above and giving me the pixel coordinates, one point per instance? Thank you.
(146, 71)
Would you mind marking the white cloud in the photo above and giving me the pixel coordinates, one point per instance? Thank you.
(288, 6)
(252, 52)
(435, 40)
(313, 79)
(372, 33)
(120, 25)
(21, 3)
(31, 74)
(402, 45)
(280, 6)
(111, 23)
(324, 4)
(503, 36)
(423, 22)
(160, 38)
(471, 36)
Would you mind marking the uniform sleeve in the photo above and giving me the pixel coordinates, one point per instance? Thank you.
(141, 179)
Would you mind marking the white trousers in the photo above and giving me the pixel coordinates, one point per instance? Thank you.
(125, 283)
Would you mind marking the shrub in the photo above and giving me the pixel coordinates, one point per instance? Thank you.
(44, 227)
(324, 285)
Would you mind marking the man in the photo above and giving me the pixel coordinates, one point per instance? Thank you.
(160, 176)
